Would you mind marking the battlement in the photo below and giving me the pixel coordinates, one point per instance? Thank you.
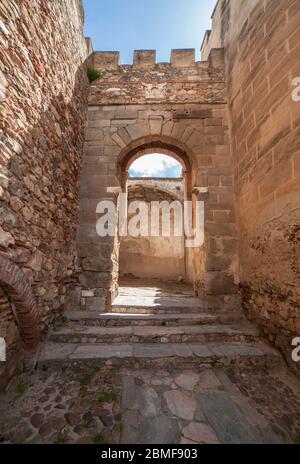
(180, 58)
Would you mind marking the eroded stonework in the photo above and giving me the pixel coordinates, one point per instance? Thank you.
(44, 90)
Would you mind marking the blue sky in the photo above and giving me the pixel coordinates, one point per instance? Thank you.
(155, 165)
(128, 25)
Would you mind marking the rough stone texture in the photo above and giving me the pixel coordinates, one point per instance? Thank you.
(265, 134)
(72, 406)
(200, 433)
(180, 404)
(230, 416)
(15, 286)
(158, 431)
(227, 420)
(144, 345)
(187, 380)
(44, 91)
(82, 405)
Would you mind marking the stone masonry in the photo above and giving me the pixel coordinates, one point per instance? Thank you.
(66, 145)
(265, 144)
(43, 94)
(177, 108)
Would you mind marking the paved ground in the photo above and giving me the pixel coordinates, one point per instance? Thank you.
(78, 405)
(207, 407)
(85, 405)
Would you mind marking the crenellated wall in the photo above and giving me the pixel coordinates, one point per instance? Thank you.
(43, 99)
(183, 80)
(177, 108)
(262, 56)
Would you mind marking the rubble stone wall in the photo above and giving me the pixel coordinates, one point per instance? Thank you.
(43, 100)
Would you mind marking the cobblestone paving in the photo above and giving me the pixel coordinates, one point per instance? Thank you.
(64, 406)
(153, 406)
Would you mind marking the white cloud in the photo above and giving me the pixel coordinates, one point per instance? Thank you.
(155, 165)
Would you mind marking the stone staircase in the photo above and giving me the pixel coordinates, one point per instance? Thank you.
(154, 325)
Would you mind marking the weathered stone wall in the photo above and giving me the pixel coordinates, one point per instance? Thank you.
(156, 257)
(262, 49)
(176, 108)
(43, 96)
(172, 185)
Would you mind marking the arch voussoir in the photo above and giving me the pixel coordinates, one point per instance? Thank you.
(19, 291)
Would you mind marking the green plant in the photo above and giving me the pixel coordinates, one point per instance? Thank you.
(87, 378)
(106, 396)
(99, 439)
(21, 389)
(261, 399)
(120, 427)
(61, 321)
(62, 437)
(93, 74)
(82, 391)
(64, 319)
(84, 424)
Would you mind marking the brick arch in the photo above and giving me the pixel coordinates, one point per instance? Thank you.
(14, 283)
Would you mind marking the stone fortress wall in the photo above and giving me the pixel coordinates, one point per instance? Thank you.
(44, 89)
(261, 41)
(178, 108)
(230, 119)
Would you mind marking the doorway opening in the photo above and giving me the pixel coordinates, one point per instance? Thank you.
(154, 179)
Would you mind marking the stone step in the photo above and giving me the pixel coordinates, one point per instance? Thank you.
(171, 355)
(154, 334)
(90, 318)
(152, 309)
(157, 303)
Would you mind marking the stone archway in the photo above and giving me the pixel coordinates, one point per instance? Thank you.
(162, 144)
(181, 152)
(185, 117)
(17, 291)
